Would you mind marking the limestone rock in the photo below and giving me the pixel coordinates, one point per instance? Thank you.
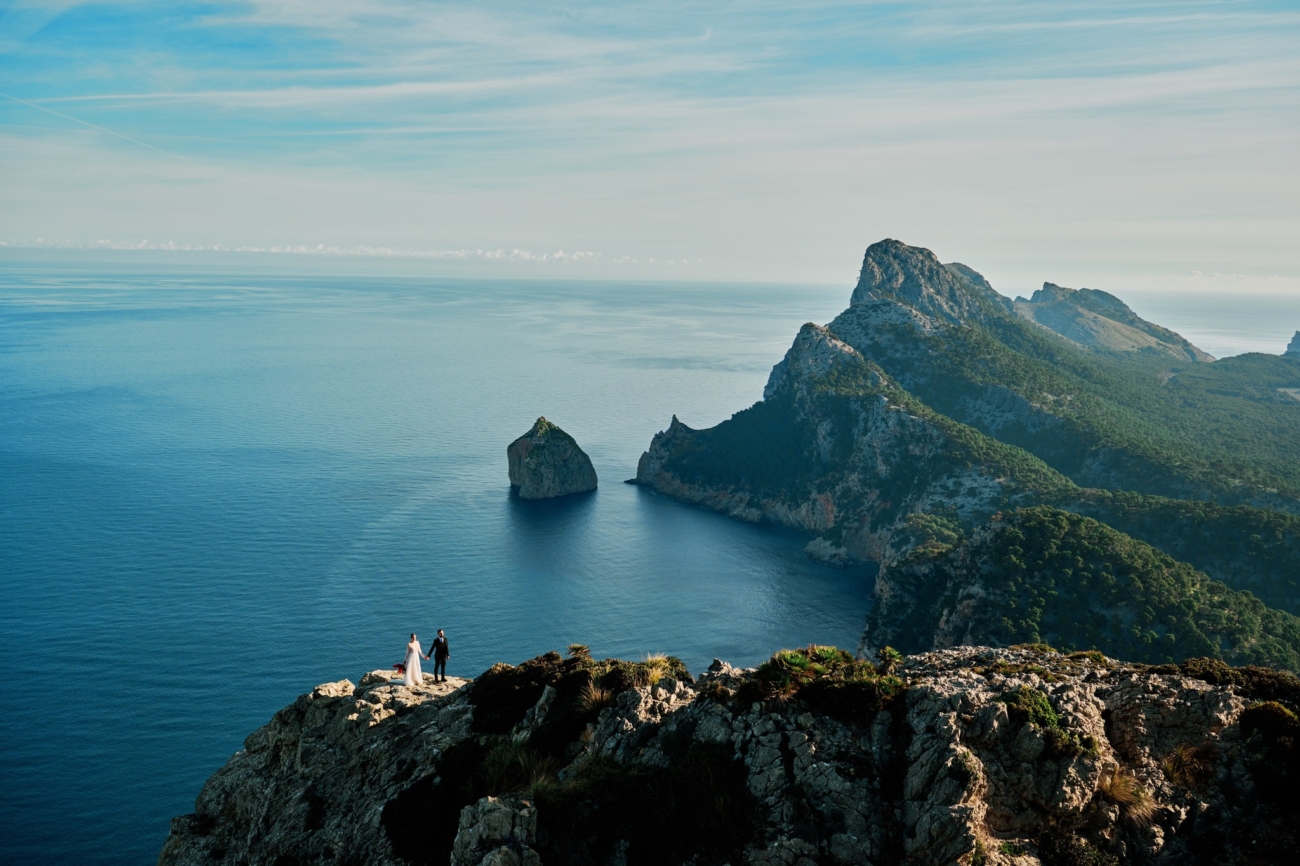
(546, 462)
(496, 832)
(1293, 349)
(952, 770)
(914, 276)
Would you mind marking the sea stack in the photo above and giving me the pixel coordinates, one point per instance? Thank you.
(546, 462)
(1293, 350)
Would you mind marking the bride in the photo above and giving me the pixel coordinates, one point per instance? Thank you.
(414, 676)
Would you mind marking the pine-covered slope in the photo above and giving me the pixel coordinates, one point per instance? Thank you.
(1044, 575)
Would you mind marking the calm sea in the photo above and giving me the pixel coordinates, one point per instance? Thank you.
(219, 489)
(220, 486)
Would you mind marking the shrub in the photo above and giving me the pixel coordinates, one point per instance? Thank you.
(830, 680)
(1274, 720)
(1039, 647)
(890, 659)
(1190, 765)
(1030, 705)
(512, 766)
(579, 651)
(654, 668)
(1067, 849)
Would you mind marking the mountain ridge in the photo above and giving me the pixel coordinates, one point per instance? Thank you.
(929, 406)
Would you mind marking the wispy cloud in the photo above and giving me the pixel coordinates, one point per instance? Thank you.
(768, 138)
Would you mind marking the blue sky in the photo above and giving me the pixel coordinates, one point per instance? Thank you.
(1144, 145)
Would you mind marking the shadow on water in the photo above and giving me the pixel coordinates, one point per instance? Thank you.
(544, 530)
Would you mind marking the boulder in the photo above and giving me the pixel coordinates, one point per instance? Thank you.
(546, 462)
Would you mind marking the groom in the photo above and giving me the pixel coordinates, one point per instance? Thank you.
(440, 655)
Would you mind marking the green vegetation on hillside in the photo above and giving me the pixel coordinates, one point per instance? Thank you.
(1060, 578)
(779, 446)
(1247, 548)
(1156, 426)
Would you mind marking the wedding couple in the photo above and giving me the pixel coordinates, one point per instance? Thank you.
(413, 675)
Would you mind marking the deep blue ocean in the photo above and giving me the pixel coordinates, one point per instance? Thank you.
(221, 485)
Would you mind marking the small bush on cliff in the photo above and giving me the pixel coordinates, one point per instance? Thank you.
(1067, 849)
(828, 679)
(1250, 681)
(1030, 706)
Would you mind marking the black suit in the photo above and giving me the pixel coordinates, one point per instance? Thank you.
(441, 652)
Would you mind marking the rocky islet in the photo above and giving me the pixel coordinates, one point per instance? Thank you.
(546, 463)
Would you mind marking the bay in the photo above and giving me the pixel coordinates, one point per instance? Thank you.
(220, 487)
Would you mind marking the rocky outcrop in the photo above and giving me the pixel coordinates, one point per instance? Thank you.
(1099, 320)
(546, 462)
(1293, 348)
(312, 782)
(914, 277)
(849, 457)
(972, 755)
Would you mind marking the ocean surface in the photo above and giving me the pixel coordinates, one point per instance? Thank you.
(222, 483)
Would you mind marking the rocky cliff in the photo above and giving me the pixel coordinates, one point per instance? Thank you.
(973, 756)
(932, 403)
(1293, 348)
(546, 462)
(845, 453)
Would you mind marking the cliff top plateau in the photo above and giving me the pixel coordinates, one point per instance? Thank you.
(972, 755)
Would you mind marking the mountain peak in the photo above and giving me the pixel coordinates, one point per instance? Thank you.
(1293, 350)
(892, 270)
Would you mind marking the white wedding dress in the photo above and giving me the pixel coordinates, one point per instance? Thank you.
(414, 676)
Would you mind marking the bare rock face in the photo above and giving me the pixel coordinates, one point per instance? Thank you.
(1293, 349)
(546, 462)
(1021, 756)
(894, 272)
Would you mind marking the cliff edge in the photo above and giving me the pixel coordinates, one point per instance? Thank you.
(968, 755)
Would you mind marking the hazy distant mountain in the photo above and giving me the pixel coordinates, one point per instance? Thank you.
(1100, 320)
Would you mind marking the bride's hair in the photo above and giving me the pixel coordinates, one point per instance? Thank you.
(412, 635)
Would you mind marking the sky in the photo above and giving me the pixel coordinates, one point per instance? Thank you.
(1144, 145)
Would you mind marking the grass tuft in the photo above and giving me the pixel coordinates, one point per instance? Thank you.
(1189, 765)
(593, 698)
(1123, 789)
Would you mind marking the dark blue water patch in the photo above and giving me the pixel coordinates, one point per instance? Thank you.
(218, 491)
